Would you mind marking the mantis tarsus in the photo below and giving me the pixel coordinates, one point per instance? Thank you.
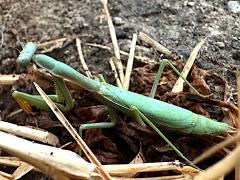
(138, 106)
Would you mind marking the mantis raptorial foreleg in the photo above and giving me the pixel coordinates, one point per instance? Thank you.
(162, 65)
(62, 98)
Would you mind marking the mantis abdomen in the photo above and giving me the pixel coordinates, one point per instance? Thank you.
(161, 113)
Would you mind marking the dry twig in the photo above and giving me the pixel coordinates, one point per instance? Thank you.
(178, 87)
(130, 63)
(117, 61)
(49, 46)
(80, 53)
(23, 169)
(5, 175)
(139, 58)
(217, 147)
(55, 162)
(222, 167)
(64, 164)
(9, 79)
(31, 133)
(237, 168)
(119, 84)
(154, 44)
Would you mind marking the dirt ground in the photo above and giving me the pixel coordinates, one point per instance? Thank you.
(178, 25)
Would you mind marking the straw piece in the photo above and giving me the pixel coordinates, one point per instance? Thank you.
(74, 134)
(174, 177)
(237, 168)
(12, 161)
(119, 84)
(82, 60)
(216, 148)
(139, 58)
(130, 63)
(121, 169)
(31, 133)
(117, 61)
(9, 79)
(222, 167)
(3, 177)
(178, 87)
(6, 175)
(238, 94)
(52, 161)
(154, 44)
(49, 46)
(22, 170)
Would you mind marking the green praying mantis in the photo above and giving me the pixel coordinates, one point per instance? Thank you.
(139, 107)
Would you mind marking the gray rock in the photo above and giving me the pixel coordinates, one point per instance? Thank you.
(234, 6)
(220, 44)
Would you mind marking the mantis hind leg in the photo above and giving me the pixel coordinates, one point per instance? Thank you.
(142, 117)
(159, 74)
(62, 98)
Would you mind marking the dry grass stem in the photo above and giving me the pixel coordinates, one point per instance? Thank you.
(121, 169)
(49, 46)
(82, 60)
(217, 147)
(50, 43)
(174, 177)
(119, 84)
(238, 94)
(138, 58)
(142, 36)
(237, 168)
(4, 178)
(6, 175)
(59, 163)
(73, 133)
(117, 61)
(52, 161)
(23, 169)
(30, 133)
(222, 167)
(10, 161)
(178, 87)
(130, 62)
(14, 113)
(9, 79)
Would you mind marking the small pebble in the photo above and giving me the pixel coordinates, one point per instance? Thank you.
(118, 21)
(191, 3)
(234, 6)
(220, 44)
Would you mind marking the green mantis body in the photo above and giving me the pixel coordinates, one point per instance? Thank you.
(161, 114)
